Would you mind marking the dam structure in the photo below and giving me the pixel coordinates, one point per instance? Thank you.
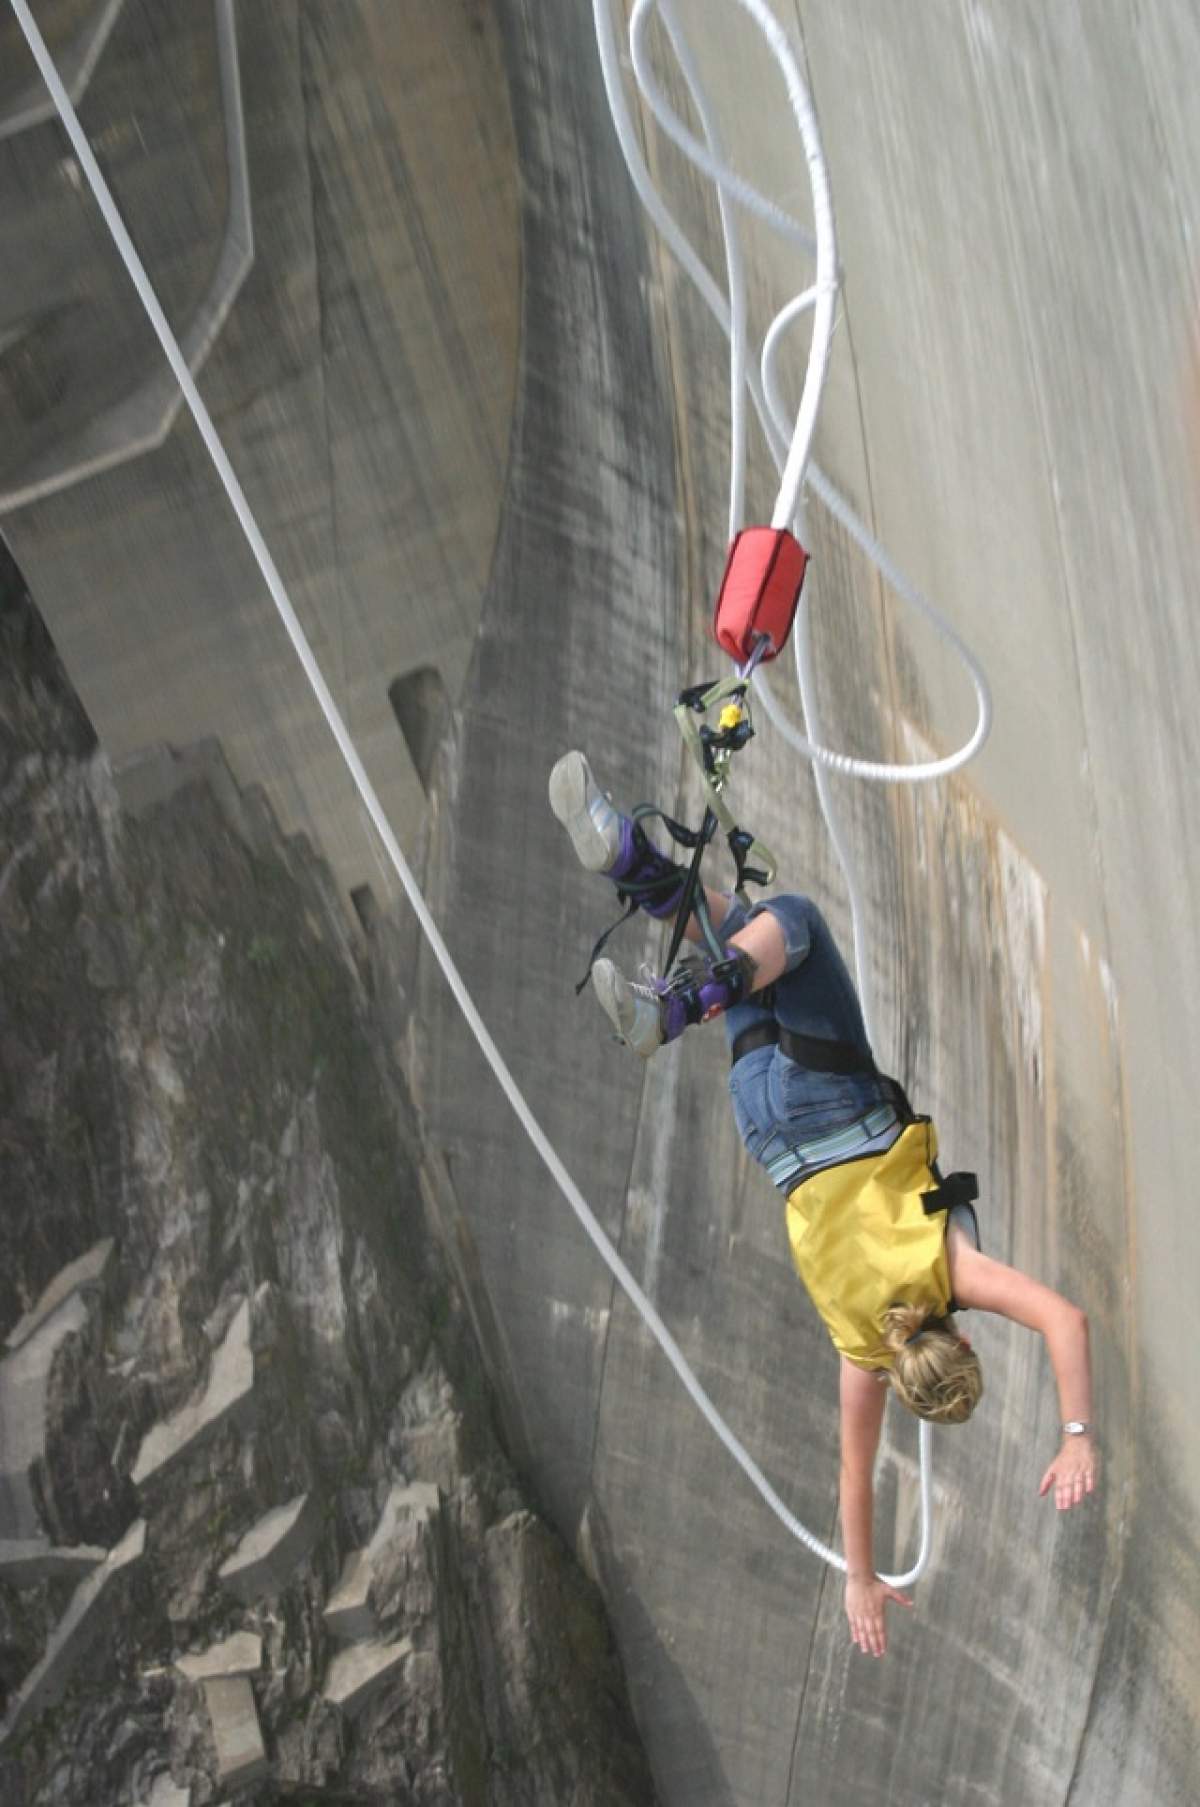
(483, 422)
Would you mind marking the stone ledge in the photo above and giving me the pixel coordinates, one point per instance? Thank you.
(240, 1654)
(24, 1380)
(72, 1635)
(26, 1561)
(358, 1673)
(263, 1563)
(80, 1275)
(349, 1616)
(230, 1384)
(241, 1755)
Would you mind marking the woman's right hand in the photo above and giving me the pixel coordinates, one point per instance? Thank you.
(1072, 1474)
(865, 1600)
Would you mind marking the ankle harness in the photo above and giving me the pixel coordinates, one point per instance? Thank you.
(713, 750)
(734, 970)
(634, 892)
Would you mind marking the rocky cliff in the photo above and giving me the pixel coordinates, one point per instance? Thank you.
(258, 1529)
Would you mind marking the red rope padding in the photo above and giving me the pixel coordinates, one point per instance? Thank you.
(764, 574)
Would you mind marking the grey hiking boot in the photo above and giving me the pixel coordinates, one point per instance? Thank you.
(635, 1011)
(588, 816)
(645, 1014)
(616, 845)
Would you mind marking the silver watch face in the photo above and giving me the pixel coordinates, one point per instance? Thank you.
(1074, 1427)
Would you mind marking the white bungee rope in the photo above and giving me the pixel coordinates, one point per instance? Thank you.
(794, 473)
(789, 440)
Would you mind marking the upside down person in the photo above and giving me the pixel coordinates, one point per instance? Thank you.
(888, 1250)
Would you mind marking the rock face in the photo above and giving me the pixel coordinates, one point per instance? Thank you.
(257, 1355)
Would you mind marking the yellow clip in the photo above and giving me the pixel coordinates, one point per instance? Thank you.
(730, 715)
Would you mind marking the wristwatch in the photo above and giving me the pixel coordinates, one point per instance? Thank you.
(1075, 1427)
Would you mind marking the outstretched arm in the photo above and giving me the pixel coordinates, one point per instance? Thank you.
(989, 1285)
(862, 1403)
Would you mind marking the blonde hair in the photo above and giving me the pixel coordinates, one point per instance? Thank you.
(935, 1375)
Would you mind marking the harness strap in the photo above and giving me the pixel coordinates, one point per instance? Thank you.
(954, 1189)
(692, 900)
(818, 1053)
(678, 831)
(599, 947)
(758, 1035)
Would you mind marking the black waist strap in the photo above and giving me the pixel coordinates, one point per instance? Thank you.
(758, 1035)
(823, 1056)
(816, 1052)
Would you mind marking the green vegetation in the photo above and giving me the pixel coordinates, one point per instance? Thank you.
(265, 953)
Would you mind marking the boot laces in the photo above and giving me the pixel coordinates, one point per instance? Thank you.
(647, 985)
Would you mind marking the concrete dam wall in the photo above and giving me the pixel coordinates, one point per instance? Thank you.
(484, 423)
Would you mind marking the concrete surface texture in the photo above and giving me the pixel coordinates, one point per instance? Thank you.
(375, 337)
(1015, 188)
(84, 377)
(77, 32)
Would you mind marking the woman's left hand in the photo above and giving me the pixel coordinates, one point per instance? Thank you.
(1072, 1474)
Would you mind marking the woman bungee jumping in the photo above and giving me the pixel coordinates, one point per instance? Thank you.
(887, 1248)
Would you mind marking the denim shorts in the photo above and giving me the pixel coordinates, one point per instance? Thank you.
(780, 1105)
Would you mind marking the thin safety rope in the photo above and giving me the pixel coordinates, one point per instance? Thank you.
(279, 596)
